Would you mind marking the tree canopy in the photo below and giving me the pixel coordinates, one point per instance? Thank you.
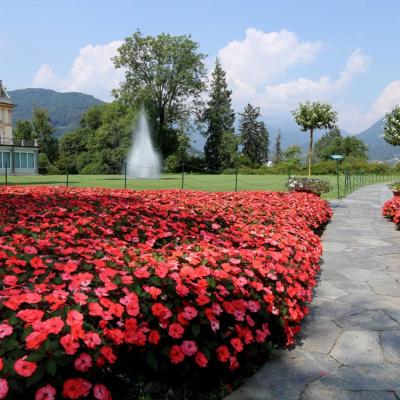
(165, 74)
(311, 117)
(391, 132)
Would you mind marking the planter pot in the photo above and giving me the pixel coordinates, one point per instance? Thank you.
(396, 193)
(307, 191)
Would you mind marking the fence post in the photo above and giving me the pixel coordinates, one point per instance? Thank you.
(236, 179)
(337, 179)
(6, 172)
(183, 175)
(125, 175)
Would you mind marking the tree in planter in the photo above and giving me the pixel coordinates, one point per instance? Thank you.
(391, 132)
(311, 117)
(253, 135)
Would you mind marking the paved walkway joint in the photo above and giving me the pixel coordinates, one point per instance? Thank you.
(349, 348)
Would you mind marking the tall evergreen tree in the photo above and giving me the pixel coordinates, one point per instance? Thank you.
(253, 135)
(277, 149)
(221, 144)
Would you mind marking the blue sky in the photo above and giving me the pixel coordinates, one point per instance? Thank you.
(276, 53)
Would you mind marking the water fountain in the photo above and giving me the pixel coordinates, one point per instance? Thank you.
(143, 160)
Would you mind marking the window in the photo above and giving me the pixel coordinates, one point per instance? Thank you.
(24, 160)
(4, 159)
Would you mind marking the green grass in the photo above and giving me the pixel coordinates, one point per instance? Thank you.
(174, 181)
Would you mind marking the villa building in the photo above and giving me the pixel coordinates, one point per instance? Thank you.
(17, 157)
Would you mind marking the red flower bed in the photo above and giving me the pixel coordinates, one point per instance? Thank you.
(175, 278)
(391, 210)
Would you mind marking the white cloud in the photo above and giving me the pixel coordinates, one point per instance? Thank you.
(92, 72)
(263, 56)
(357, 120)
(256, 68)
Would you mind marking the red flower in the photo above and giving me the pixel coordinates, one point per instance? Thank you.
(108, 354)
(70, 345)
(223, 353)
(154, 337)
(100, 392)
(201, 359)
(45, 393)
(24, 368)
(176, 354)
(83, 363)
(75, 388)
(30, 315)
(53, 325)
(35, 339)
(176, 330)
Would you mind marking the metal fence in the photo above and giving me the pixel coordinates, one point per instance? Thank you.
(200, 179)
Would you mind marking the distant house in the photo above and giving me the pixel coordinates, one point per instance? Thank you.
(17, 157)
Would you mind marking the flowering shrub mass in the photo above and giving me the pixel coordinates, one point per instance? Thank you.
(179, 278)
(391, 210)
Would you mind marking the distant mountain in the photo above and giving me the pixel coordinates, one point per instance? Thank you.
(378, 148)
(65, 109)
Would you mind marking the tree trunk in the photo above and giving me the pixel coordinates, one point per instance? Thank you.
(310, 152)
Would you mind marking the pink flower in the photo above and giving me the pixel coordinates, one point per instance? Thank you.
(100, 392)
(189, 347)
(190, 313)
(5, 330)
(3, 388)
(83, 363)
(45, 393)
(25, 368)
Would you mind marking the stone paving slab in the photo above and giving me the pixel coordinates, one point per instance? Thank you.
(349, 348)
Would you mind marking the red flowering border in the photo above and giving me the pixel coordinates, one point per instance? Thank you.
(189, 278)
(391, 210)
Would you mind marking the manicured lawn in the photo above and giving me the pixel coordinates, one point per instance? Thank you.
(211, 183)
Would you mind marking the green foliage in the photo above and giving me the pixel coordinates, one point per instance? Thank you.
(292, 155)
(311, 117)
(277, 158)
(221, 145)
(391, 132)
(354, 147)
(43, 131)
(165, 73)
(253, 135)
(23, 130)
(100, 145)
(333, 142)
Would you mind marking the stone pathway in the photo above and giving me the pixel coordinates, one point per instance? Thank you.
(350, 345)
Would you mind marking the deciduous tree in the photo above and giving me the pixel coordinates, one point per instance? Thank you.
(311, 117)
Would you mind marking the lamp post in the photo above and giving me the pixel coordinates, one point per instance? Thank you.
(337, 158)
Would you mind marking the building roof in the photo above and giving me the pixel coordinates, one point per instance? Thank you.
(4, 96)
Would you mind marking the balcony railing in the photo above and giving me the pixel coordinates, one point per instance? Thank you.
(19, 143)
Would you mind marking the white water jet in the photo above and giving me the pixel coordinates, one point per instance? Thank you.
(143, 160)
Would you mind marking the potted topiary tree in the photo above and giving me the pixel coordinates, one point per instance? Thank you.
(311, 117)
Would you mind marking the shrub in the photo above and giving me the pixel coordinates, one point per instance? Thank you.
(171, 279)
